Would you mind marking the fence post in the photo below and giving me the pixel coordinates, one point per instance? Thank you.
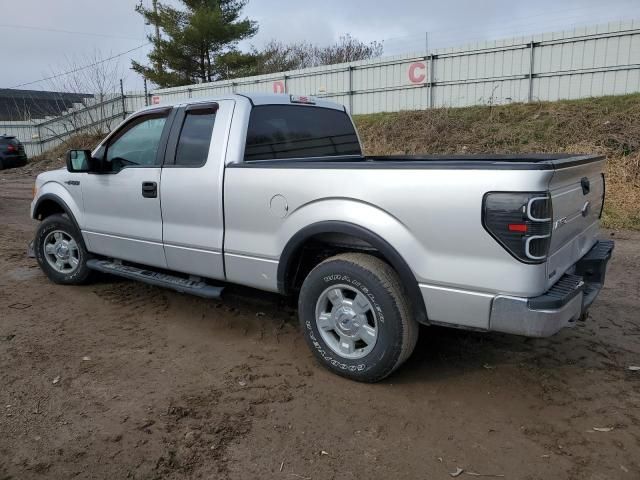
(531, 64)
(431, 79)
(351, 89)
(285, 84)
(40, 140)
(124, 103)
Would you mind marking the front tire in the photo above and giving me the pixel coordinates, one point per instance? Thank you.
(356, 318)
(60, 251)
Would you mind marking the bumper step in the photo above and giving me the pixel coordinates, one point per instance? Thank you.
(601, 251)
(184, 285)
(592, 267)
(562, 291)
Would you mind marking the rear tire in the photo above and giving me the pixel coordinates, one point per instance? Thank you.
(356, 318)
(60, 251)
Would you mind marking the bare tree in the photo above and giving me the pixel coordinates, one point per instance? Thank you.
(277, 56)
(348, 49)
(94, 79)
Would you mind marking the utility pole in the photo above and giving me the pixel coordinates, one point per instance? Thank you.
(157, 27)
(124, 101)
(155, 12)
(426, 42)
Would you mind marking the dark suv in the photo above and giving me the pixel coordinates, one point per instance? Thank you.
(11, 152)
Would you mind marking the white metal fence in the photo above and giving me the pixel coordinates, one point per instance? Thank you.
(585, 62)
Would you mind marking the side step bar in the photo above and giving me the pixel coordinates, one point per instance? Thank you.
(159, 279)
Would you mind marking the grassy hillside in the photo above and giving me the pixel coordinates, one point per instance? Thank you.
(607, 125)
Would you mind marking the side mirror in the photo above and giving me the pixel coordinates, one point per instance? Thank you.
(79, 161)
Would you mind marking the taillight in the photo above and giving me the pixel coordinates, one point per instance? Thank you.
(11, 148)
(520, 222)
(302, 99)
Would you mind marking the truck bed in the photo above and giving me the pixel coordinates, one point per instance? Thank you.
(546, 161)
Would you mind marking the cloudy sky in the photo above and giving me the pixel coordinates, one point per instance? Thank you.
(43, 37)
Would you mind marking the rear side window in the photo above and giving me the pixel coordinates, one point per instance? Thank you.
(292, 131)
(195, 137)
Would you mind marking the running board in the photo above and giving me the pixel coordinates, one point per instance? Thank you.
(183, 285)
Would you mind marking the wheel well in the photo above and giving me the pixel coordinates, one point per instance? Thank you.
(318, 242)
(46, 208)
(318, 248)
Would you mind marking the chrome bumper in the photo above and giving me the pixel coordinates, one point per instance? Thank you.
(561, 305)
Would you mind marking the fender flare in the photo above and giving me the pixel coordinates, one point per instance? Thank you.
(407, 277)
(61, 203)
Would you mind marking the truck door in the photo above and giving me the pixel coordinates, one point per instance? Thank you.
(191, 197)
(122, 217)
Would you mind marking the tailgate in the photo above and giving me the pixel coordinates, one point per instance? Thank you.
(577, 193)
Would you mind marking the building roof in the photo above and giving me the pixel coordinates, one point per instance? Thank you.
(26, 104)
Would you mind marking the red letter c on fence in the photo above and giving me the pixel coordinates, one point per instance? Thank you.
(414, 75)
(278, 87)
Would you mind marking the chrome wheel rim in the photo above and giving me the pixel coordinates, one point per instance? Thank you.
(347, 321)
(61, 252)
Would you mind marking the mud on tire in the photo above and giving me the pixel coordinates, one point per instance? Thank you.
(332, 300)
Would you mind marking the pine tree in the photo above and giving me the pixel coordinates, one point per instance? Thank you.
(197, 44)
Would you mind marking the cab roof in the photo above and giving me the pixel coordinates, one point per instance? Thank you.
(255, 99)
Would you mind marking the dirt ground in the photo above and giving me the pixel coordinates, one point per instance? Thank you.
(122, 380)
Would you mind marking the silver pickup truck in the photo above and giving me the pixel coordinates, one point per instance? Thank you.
(274, 192)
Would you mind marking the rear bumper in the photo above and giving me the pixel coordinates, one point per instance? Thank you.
(561, 305)
(10, 161)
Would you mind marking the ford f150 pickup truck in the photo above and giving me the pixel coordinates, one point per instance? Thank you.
(274, 192)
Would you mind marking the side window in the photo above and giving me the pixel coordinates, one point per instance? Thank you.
(195, 138)
(292, 131)
(137, 145)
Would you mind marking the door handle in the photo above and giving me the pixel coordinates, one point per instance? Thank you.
(149, 189)
(586, 185)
